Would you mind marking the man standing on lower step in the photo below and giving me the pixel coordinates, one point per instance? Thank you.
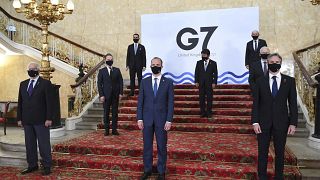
(110, 87)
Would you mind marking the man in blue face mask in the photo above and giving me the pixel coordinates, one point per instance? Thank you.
(110, 87)
(274, 96)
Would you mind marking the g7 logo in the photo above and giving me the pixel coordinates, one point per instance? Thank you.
(194, 41)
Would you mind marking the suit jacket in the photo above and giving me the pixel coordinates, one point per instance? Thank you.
(271, 111)
(137, 60)
(110, 85)
(210, 76)
(255, 71)
(251, 54)
(37, 108)
(155, 110)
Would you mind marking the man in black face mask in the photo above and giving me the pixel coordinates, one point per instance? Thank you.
(34, 113)
(155, 114)
(136, 62)
(253, 49)
(205, 77)
(259, 68)
(274, 95)
(110, 87)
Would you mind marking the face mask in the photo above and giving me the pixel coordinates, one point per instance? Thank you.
(274, 67)
(33, 73)
(264, 56)
(109, 63)
(205, 58)
(255, 37)
(156, 69)
(136, 40)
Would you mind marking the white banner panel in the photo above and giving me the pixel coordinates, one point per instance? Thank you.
(178, 38)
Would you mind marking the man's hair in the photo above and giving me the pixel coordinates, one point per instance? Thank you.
(275, 54)
(264, 47)
(205, 51)
(108, 54)
(157, 58)
(34, 63)
(136, 34)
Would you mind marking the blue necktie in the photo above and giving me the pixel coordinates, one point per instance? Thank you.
(155, 87)
(30, 88)
(274, 86)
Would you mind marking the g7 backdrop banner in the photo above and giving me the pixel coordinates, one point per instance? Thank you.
(178, 38)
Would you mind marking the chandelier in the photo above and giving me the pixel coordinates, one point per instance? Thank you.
(314, 2)
(46, 12)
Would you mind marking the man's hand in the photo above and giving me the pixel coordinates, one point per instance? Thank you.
(144, 68)
(247, 66)
(102, 99)
(291, 129)
(140, 124)
(197, 85)
(167, 126)
(257, 129)
(19, 123)
(213, 86)
(48, 123)
(127, 68)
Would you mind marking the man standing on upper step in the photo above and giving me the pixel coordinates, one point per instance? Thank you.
(205, 77)
(259, 68)
(253, 49)
(274, 95)
(110, 87)
(136, 62)
(155, 114)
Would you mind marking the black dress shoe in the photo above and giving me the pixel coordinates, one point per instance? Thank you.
(203, 115)
(29, 170)
(145, 175)
(116, 133)
(46, 171)
(131, 94)
(106, 133)
(161, 177)
(209, 116)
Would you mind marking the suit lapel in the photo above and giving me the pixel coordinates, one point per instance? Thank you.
(36, 86)
(267, 79)
(282, 83)
(161, 84)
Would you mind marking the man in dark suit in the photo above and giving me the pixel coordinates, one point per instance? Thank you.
(155, 114)
(110, 87)
(205, 77)
(253, 49)
(275, 94)
(259, 68)
(34, 113)
(136, 62)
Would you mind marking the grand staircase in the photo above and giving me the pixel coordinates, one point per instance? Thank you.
(222, 147)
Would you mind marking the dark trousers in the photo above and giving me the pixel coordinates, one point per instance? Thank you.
(279, 141)
(38, 135)
(112, 101)
(161, 138)
(205, 93)
(133, 72)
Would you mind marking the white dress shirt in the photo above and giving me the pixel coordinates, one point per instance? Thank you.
(253, 42)
(262, 64)
(34, 82)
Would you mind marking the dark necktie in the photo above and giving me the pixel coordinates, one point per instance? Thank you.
(205, 65)
(255, 45)
(274, 86)
(30, 88)
(135, 48)
(111, 71)
(155, 87)
(265, 69)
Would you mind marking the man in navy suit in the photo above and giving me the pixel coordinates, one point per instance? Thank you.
(155, 114)
(34, 113)
(110, 87)
(274, 113)
(135, 62)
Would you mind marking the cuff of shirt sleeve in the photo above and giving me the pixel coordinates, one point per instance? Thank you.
(255, 123)
(139, 120)
(168, 122)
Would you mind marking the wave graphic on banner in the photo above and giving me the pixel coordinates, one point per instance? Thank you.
(227, 77)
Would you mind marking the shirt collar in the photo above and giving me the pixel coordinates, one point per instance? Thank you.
(159, 77)
(277, 75)
(35, 80)
(263, 60)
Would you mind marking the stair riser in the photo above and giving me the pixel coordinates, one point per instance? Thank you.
(196, 98)
(196, 92)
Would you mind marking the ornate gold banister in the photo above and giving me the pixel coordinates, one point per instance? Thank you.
(307, 64)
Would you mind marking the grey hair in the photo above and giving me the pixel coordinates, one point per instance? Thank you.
(255, 31)
(264, 47)
(275, 54)
(35, 64)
